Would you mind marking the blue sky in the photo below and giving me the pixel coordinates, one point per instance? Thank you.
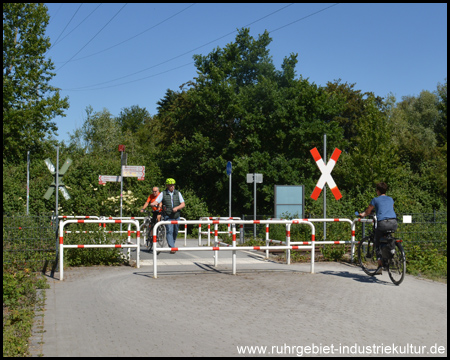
(117, 55)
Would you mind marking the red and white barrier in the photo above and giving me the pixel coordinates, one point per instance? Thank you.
(233, 248)
(62, 246)
(209, 232)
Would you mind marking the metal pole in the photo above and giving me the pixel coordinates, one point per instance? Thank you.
(325, 190)
(229, 199)
(254, 206)
(121, 189)
(28, 181)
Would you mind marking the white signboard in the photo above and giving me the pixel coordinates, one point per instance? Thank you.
(134, 171)
(102, 179)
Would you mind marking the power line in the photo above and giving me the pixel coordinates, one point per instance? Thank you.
(56, 42)
(120, 43)
(66, 26)
(178, 56)
(117, 13)
(140, 79)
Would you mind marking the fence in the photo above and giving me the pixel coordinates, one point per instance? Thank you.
(233, 248)
(427, 230)
(62, 246)
(29, 241)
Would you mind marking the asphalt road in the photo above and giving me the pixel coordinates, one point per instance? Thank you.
(195, 309)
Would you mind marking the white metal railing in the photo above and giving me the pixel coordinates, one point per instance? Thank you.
(62, 246)
(233, 248)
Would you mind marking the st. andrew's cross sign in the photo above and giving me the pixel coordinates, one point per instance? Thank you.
(61, 172)
(326, 173)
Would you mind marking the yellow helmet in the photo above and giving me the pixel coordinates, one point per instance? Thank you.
(170, 181)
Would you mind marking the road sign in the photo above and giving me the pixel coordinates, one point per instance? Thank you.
(258, 178)
(103, 179)
(326, 173)
(134, 171)
(61, 172)
(229, 168)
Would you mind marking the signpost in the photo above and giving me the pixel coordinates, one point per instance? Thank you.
(254, 178)
(125, 171)
(229, 198)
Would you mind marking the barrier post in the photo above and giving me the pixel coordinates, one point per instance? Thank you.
(288, 243)
(216, 241)
(234, 252)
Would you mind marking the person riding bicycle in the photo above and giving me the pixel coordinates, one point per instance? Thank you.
(386, 217)
(156, 209)
(173, 202)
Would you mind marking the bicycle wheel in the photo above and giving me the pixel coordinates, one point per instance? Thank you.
(161, 236)
(367, 256)
(148, 236)
(397, 265)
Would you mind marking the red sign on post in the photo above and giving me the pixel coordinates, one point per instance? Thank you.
(121, 148)
(326, 173)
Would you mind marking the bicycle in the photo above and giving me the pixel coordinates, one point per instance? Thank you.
(149, 222)
(392, 255)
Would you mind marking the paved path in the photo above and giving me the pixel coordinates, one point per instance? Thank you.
(194, 309)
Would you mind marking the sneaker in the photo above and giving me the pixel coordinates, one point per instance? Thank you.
(173, 252)
(379, 271)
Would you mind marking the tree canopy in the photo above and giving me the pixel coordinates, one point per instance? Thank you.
(240, 108)
(29, 102)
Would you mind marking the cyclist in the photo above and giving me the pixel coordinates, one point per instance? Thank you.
(173, 202)
(156, 209)
(386, 217)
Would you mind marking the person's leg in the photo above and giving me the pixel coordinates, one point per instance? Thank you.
(169, 234)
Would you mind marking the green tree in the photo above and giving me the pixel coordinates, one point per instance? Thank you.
(241, 109)
(100, 132)
(29, 102)
(132, 118)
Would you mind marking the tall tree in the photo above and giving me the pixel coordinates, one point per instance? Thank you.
(29, 102)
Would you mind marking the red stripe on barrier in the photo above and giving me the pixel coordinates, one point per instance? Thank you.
(173, 249)
(117, 221)
(81, 246)
(353, 232)
(336, 154)
(118, 246)
(215, 221)
(80, 221)
(216, 248)
(256, 221)
(295, 247)
(316, 193)
(216, 233)
(267, 229)
(139, 233)
(129, 232)
(313, 237)
(154, 238)
(174, 222)
(305, 243)
(64, 217)
(234, 237)
(337, 242)
(288, 233)
(61, 240)
(256, 247)
(336, 220)
(315, 154)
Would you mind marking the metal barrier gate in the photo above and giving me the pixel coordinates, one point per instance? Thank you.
(233, 248)
(62, 246)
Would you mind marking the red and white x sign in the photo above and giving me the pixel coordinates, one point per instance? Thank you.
(326, 173)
